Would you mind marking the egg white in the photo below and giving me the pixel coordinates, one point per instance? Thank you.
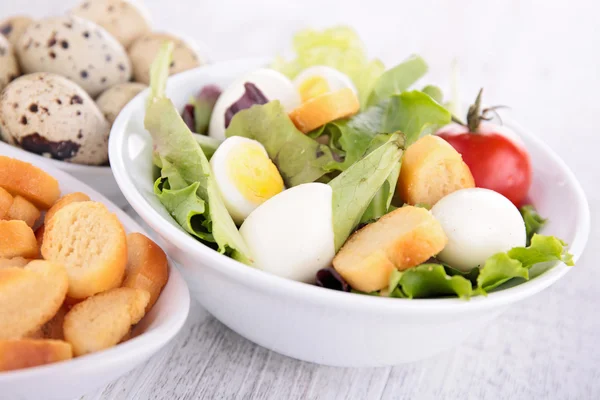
(238, 206)
(478, 223)
(273, 84)
(291, 234)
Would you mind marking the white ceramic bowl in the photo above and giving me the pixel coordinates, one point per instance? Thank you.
(74, 378)
(320, 325)
(99, 178)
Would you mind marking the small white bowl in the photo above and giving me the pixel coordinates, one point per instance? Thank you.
(321, 325)
(74, 378)
(99, 178)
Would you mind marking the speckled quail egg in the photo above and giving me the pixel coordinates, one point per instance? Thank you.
(144, 49)
(126, 20)
(52, 116)
(9, 67)
(77, 49)
(13, 27)
(112, 101)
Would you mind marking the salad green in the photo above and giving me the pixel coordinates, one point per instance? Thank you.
(354, 188)
(185, 171)
(434, 279)
(534, 222)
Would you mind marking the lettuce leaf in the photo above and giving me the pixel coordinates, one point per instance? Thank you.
(398, 79)
(533, 221)
(517, 262)
(434, 92)
(415, 114)
(208, 144)
(354, 188)
(542, 249)
(499, 269)
(184, 167)
(185, 207)
(428, 280)
(338, 47)
(299, 158)
(203, 104)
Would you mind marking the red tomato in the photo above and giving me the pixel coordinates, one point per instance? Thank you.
(496, 162)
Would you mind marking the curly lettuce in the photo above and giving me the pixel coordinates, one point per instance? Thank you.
(434, 279)
(186, 186)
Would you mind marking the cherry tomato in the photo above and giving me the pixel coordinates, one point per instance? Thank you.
(496, 162)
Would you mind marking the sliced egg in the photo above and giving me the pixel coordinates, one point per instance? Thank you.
(318, 80)
(291, 234)
(272, 84)
(478, 223)
(245, 175)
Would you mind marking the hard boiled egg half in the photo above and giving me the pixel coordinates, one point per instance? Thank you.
(245, 176)
(271, 85)
(478, 223)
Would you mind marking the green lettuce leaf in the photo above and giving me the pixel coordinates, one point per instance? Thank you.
(428, 280)
(353, 136)
(499, 269)
(299, 158)
(398, 79)
(434, 92)
(519, 261)
(533, 221)
(542, 249)
(185, 207)
(412, 113)
(415, 114)
(208, 144)
(184, 165)
(338, 47)
(354, 188)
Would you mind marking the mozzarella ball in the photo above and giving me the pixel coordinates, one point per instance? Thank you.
(245, 175)
(272, 84)
(318, 80)
(291, 234)
(478, 223)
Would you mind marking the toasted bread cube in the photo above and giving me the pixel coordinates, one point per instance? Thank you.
(90, 242)
(25, 353)
(23, 210)
(101, 321)
(30, 297)
(402, 239)
(17, 240)
(432, 169)
(67, 199)
(24, 179)
(13, 262)
(147, 266)
(6, 201)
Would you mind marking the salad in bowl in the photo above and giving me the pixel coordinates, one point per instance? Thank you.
(331, 170)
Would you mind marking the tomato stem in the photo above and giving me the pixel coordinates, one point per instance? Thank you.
(474, 113)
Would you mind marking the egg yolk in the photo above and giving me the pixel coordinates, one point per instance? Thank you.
(253, 174)
(313, 87)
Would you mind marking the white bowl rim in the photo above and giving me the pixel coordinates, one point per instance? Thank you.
(160, 334)
(270, 283)
(58, 164)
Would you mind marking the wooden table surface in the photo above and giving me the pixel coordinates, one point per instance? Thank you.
(539, 57)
